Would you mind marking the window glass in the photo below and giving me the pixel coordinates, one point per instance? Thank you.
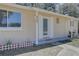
(14, 19)
(3, 18)
(45, 26)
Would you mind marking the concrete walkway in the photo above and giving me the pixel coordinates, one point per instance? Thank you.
(68, 50)
(59, 50)
(50, 51)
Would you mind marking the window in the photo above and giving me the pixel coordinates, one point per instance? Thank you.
(14, 19)
(45, 26)
(3, 18)
(10, 19)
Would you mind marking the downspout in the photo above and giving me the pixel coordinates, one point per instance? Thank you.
(37, 27)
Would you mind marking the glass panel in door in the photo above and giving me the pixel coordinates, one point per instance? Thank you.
(45, 27)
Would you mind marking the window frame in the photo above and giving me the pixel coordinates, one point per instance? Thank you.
(12, 28)
(46, 17)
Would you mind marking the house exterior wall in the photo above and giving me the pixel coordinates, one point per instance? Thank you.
(60, 29)
(63, 27)
(73, 28)
(27, 30)
(76, 27)
(28, 26)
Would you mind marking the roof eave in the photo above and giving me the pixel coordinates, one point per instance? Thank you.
(36, 9)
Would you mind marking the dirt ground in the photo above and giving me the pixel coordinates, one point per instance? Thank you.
(47, 49)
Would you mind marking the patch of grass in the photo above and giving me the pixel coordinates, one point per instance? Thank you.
(75, 42)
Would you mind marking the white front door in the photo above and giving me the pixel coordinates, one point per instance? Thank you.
(45, 28)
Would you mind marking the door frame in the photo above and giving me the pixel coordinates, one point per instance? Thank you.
(37, 27)
(48, 19)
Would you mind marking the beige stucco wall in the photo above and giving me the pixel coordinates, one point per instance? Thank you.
(75, 28)
(27, 30)
(60, 29)
(63, 27)
(28, 26)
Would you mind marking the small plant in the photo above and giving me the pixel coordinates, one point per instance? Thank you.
(69, 35)
(9, 42)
